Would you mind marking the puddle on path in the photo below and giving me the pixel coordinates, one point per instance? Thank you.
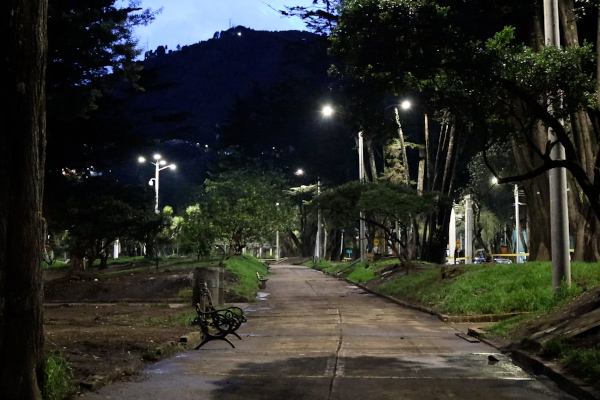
(249, 310)
(262, 296)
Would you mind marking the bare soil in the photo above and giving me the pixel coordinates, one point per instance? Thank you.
(108, 328)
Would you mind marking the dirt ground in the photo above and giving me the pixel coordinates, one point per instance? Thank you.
(110, 327)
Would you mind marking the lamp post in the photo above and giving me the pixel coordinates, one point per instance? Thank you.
(160, 165)
(277, 239)
(318, 239)
(361, 177)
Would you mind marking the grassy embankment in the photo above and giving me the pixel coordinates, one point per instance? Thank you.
(490, 289)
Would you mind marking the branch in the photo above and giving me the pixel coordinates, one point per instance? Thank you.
(541, 112)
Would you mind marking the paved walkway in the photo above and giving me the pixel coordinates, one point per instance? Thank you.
(312, 336)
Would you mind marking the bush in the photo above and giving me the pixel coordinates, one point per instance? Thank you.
(59, 384)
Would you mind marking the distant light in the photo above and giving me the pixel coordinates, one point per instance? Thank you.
(157, 157)
(299, 171)
(277, 204)
(206, 146)
(239, 33)
(405, 105)
(141, 159)
(327, 111)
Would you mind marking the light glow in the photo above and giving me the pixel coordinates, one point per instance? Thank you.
(327, 111)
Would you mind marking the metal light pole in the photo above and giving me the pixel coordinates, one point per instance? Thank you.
(361, 177)
(452, 235)
(160, 165)
(559, 213)
(468, 230)
(318, 238)
(277, 239)
(517, 225)
(277, 246)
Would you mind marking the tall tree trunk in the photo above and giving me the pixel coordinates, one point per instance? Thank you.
(402, 148)
(372, 164)
(22, 147)
(582, 219)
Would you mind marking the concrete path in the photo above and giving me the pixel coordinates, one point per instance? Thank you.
(311, 336)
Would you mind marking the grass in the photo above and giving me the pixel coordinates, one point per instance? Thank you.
(246, 267)
(361, 274)
(184, 318)
(491, 289)
(58, 384)
(55, 265)
(582, 361)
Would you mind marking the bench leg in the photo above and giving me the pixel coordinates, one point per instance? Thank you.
(207, 339)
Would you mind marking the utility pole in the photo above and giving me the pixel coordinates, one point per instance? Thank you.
(361, 177)
(468, 230)
(452, 235)
(517, 225)
(318, 239)
(559, 213)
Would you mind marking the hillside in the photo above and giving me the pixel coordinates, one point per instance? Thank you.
(259, 90)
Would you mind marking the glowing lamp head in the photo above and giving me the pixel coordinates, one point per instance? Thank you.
(141, 159)
(157, 157)
(173, 166)
(405, 105)
(327, 111)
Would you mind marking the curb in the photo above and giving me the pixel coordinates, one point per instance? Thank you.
(531, 363)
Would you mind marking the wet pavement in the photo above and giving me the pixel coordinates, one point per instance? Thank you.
(311, 336)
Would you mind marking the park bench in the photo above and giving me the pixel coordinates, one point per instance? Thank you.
(262, 282)
(216, 324)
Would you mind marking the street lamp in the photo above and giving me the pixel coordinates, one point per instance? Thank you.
(160, 165)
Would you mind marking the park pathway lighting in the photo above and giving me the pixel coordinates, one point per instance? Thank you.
(160, 164)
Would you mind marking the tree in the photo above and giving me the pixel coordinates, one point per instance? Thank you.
(98, 211)
(22, 156)
(196, 232)
(245, 206)
(384, 205)
(92, 48)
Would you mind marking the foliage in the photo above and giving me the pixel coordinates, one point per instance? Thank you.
(98, 211)
(196, 233)
(384, 204)
(58, 384)
(91, 50)
(87, 42)
(246, 206)
(321, 17)
(362, 274)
